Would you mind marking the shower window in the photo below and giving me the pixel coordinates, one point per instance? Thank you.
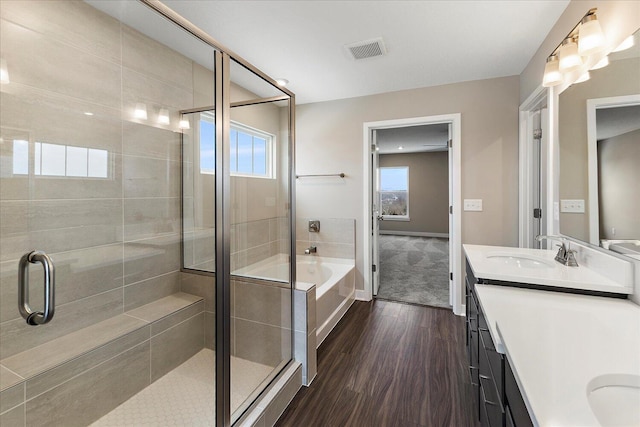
(251, 150)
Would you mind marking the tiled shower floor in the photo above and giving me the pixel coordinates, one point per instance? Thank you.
(186, 395)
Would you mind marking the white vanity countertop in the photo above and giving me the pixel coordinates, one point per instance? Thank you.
(557, 343)
(559, 275)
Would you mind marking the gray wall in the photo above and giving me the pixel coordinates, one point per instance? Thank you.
(428, 192)
(329, 139)
(619, 175)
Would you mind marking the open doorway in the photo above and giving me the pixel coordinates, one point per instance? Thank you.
(413, 199)
(413, 242)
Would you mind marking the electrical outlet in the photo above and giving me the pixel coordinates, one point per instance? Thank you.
(474, 205)
(571, 206)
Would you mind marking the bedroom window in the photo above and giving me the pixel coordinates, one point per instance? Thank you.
(394, 192)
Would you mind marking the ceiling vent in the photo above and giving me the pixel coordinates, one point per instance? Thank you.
(366, 49)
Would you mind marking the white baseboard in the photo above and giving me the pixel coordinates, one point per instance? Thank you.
(415, 233)
(361, 295)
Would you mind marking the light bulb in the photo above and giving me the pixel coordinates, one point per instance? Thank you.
(590, 37)
(552, 74)
(163, 117)
(569, 57)
(400, 147)
(601, 64)
(626, 44)
(282, 82)
(4, 72)
(184, 124)
(141, 111)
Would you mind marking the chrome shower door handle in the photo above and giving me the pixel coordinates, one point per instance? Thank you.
(36, 317)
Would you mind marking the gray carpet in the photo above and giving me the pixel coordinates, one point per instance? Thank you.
(414, 270)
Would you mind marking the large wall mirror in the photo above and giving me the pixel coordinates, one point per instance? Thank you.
(599, 143)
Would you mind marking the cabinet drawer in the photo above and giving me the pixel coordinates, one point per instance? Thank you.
(495, 359)
(517, 408)
(492, 408)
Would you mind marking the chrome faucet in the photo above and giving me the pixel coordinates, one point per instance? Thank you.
(310, 250)
(566, 255)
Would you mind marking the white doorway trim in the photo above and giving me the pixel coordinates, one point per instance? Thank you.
(526, 173)
(455, 181)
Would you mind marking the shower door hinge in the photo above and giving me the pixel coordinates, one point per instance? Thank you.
(373, 268)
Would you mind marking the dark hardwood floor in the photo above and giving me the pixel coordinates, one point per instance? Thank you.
(389, 364)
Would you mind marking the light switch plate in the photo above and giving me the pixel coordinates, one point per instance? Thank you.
(571, 206)
(474, 205)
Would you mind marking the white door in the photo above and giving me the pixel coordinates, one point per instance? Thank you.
(451, 230)
(376, 215)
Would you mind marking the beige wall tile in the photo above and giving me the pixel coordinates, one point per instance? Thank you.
(210, 330)
(146, 291)
(74, 23)
(79, 274)
(144, 218)
(335, 231)
(62, 373)
(175, 345)
(263, 303)
(12, 396)
(202, 286)
(149, 141)
(59, 351)
(261, 343)
(14, 417)
(147, 177)
(144, 259)
(203, 85)
(153, 59)
(74, 73)
(87, 397)
(16, 336)
(177, 317)
(46, 116)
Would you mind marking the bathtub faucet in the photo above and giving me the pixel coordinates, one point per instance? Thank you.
(310, 250)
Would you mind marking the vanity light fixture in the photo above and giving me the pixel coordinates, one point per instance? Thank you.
(184, 124)
(552, 74)
(141, 111)
(4, 72)
(568, 54)
(163, 117)
(568, 58)
(627, 43)
(601, 64)
(88, 113)
(282, 82)
(590, 35)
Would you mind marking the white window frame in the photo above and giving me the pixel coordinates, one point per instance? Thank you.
(393, 217)
(254, 132)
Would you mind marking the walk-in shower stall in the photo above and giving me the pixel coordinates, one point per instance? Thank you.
(144, 170)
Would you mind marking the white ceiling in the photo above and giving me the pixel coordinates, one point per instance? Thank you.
(429, 42)
(413, 139)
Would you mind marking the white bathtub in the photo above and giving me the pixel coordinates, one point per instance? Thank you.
(334, 279)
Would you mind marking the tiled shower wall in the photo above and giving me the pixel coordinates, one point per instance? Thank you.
(115, 241)
(336, 238)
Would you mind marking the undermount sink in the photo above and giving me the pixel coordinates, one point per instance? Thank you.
(519, 260)
(615, 399)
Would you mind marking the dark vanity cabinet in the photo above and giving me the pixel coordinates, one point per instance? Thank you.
(499, 400)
